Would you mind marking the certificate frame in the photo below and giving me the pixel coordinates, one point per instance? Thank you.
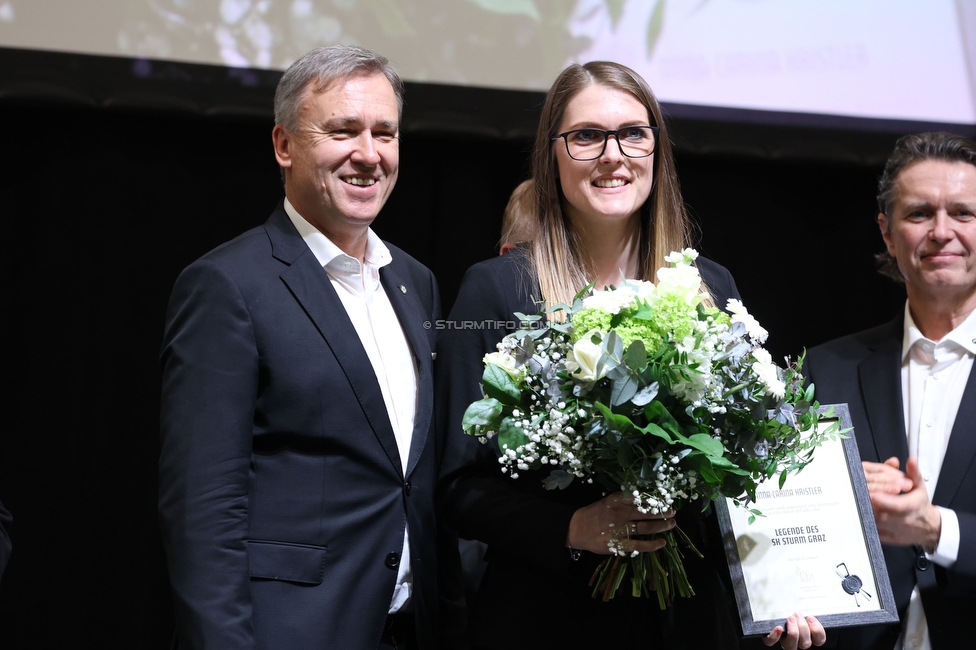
(756, 620)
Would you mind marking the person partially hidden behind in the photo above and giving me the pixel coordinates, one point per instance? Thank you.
(298, 465)
(518, 220)
(912, 396)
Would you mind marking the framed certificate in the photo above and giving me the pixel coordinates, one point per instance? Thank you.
(815, 550)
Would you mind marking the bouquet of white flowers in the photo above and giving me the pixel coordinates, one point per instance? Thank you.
(644, 389)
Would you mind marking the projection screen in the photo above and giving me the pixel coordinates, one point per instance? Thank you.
(886, 59)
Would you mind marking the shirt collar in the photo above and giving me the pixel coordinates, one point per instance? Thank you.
(964, 335)
(331, 256)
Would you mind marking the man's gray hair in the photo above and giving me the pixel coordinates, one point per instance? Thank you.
(909, 150)
(320, 68)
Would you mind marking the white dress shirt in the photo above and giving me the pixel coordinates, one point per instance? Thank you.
(369, 308)
(934, 376)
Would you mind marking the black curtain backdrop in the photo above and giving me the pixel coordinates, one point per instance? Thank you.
(106, 201)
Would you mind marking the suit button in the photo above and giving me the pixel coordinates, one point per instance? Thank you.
(921, 563)
(407, 487)
(393, 560)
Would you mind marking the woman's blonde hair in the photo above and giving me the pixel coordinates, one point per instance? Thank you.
(558, 255)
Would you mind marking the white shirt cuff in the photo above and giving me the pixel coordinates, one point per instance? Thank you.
(947, 550)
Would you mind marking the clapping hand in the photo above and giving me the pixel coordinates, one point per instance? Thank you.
(902, 508)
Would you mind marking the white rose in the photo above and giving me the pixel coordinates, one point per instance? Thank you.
(504, 361)
(584, 359)
(610, 301)
(644, 290)
(683, 281)
(768, 373)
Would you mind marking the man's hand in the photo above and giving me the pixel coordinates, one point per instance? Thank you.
(907, 518)
(799, 632)
(886, 477)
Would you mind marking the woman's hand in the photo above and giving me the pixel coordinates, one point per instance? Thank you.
(611, 524)
(799, 633)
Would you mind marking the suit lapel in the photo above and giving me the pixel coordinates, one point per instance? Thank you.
(409, 310)
(880, 377)
(961, 449)
(310, 285)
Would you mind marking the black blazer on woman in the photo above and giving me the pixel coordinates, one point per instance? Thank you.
(533, 594)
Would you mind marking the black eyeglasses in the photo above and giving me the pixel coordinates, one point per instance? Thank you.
(589, 144)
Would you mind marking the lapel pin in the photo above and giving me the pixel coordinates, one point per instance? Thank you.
(403, 289)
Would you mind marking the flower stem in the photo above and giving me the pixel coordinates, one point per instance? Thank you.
(661, 573)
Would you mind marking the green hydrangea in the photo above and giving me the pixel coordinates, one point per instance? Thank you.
(672, 314)
(631, 330)
(590, 319)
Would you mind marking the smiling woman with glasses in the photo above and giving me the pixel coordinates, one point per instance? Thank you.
(602, 213)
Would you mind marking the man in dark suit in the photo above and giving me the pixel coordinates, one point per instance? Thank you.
(298, 460)
(912, 395)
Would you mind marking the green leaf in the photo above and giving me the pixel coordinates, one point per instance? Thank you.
(480, 413)
(808, 395)
(623, 389)
(707, 444)
(644, 310)
(511, 7)
(636, 356)
(708, 474)
(656, 412)
(613, 346)
(728, 466)
(654, 26)
(582, 293)
(615, 421)
(500, 385)
(510, 436)
(655, 430)
(563, 328)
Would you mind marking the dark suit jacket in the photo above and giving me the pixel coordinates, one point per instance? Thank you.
(864, 370)
(282, 499)
(533, 595)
